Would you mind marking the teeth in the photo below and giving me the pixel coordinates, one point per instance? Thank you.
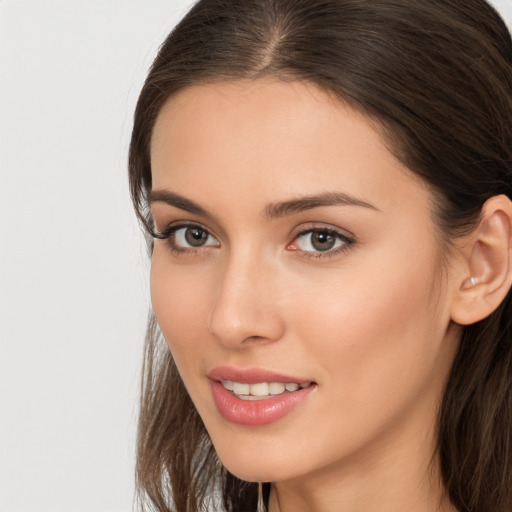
(259, 389)
(228, 384)
(276, 388)
(240, 388)
(262, 389)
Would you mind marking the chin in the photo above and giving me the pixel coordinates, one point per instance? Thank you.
(255, 471)
(257, 460)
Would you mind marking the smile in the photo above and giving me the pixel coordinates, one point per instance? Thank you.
(262, 390)
(257, 397)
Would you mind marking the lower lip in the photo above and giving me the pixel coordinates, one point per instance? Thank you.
(256, 412)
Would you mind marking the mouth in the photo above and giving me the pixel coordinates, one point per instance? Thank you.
(255, 397)
(262, 390)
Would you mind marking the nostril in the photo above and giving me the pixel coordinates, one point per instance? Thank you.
(255, 339)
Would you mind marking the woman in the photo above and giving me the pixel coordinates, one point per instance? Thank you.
(327, 185)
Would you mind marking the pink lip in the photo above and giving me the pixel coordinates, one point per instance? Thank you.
(251, 375)
(257, 412)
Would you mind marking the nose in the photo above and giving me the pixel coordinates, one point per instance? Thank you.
(246, 309)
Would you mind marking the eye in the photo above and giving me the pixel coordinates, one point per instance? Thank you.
(186, 237)
(193, 236)
(321, 240)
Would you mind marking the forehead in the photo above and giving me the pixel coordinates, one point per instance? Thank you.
(269, 138)
(295, 107)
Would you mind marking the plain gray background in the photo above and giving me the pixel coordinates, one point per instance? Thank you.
(73, 269)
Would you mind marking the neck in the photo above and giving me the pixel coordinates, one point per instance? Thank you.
(389, 489)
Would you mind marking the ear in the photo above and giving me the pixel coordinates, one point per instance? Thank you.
(485, 275)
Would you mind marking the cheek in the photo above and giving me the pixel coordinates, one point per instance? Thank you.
(179, 299)
(376, 334)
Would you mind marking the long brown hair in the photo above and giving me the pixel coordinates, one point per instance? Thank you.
(436, 75)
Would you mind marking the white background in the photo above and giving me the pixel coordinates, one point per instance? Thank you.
(73, 268)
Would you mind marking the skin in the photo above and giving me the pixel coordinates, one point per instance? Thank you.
(370, 325)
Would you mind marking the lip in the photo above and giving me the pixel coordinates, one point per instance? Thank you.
(257, 412)
(252, 375)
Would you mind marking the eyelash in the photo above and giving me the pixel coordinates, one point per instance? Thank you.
(168, 234)
(346, 242)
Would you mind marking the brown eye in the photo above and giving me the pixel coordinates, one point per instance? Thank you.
(189, 237)
(196, 237)
(322, 240)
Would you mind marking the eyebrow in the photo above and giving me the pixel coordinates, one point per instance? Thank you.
(301, 204)
(172, 199)
(273, 210)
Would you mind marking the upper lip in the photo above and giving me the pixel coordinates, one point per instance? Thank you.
(252, 375)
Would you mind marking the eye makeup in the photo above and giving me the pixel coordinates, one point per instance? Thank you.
(186, 237)
(316, 241)
(320, 242)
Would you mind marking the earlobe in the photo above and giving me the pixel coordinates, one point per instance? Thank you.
(486, 275)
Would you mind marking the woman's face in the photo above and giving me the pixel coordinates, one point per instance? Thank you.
(298, 250)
